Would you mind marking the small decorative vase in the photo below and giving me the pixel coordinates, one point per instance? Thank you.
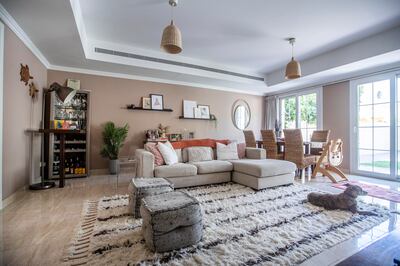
(113, 167)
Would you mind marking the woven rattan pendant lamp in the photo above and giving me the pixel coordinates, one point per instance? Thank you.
(293, 69)
(171, 41)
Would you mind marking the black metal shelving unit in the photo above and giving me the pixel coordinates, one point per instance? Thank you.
(76, 145)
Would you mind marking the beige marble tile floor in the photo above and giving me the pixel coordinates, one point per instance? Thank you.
(347, 248)
(37, 228)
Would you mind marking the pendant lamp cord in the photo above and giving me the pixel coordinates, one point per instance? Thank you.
(292, 50)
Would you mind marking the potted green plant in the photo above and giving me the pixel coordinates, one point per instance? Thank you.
(113, 138)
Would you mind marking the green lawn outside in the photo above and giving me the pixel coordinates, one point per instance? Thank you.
(381, 164)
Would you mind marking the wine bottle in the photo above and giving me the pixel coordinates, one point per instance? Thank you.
(71, 166)
(66, 169)
(77, 167)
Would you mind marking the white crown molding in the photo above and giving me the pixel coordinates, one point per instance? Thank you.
(77, 12)
(144, 78)
(370, 66)
(89, 46)
(92, 44)
(13, 25)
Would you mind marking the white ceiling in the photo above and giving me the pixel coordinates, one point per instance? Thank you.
(240, 36)
(237, 33)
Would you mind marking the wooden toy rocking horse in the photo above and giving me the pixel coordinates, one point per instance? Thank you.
(331, 157)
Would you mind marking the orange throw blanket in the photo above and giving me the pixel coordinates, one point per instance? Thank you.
(198, 142)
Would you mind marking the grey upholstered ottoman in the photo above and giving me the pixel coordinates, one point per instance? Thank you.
(171, 221)
(265, 173)
(142, 187)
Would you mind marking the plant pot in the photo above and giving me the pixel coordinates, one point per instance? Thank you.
(113, 166)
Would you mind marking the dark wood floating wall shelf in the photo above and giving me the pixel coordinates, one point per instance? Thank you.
(192, 118)
(140, 108)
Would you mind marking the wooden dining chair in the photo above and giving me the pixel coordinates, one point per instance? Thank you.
(250, 139)
(321, 136)
(294, 151)
(270, 144)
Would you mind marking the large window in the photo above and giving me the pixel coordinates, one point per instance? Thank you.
(301, 110)
(288, 112)
(374, 147)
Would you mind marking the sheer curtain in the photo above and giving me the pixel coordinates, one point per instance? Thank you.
(270, 111)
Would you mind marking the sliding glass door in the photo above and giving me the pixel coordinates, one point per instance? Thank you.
(308, 114)
(301, 110)
(374, 143)
(397, 153)
(288, 112)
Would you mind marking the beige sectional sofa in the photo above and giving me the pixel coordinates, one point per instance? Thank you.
(254, 171)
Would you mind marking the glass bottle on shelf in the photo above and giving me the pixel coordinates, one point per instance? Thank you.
(71, 166)
(66, 169)
(77, 166)
(83, 103)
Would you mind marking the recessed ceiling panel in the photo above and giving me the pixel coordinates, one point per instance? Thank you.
(243, 34)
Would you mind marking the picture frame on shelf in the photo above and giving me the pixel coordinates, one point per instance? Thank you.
(204, 111)
(157, 101)
(174, 137)
(188, 108)
(146, 103)
(197, 112)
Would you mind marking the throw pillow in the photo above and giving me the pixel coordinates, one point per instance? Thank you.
(158, 158)
(185, 157)
(241, 148)
(227, 152)
(179, 154)
(199, 154)
(168, 153)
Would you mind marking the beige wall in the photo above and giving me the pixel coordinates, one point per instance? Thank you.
(110, 95)
(18, 113)
(336, 105)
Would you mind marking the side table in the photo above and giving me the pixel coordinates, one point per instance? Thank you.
(125, 161)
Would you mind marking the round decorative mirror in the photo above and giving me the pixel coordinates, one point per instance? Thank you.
(241, 114)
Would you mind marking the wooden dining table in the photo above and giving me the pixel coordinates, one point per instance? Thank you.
(281, 145)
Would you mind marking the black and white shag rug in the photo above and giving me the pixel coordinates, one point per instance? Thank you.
(241, 227)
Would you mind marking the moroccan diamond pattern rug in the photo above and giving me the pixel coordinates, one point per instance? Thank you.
(242, 226)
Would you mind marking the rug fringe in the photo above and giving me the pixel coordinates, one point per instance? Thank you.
(80, 245)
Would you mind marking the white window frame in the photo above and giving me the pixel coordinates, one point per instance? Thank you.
(2, 109)
(297, 94)
(392, 76)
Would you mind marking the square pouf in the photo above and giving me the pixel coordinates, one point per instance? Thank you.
(142, 187)
(171, 221)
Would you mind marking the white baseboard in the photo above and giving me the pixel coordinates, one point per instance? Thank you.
(17, 195)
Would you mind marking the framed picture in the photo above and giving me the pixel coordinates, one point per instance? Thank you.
(175, 137)
(188, 108)
(146, 103)
(204, 111)
(197, 112)
(157, 101)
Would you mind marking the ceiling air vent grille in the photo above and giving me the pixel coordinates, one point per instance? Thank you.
(175, 63)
